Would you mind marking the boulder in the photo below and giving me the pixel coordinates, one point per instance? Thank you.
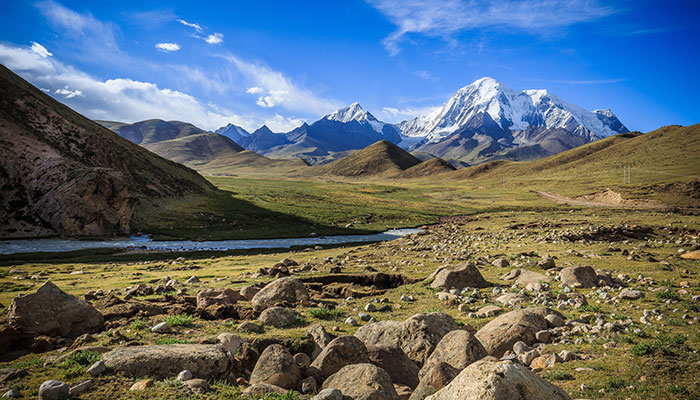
(260, 389)
(526, 278)
(248, 292)
(341, 351)
(285, 291)
(488, 311)
(435, 378)
(53, 312)
(279, 317)
(458, 277)
(166, 361)
(363, 382)
(417, 336)
(276, 367)
(218, 296)
(458, 348)
(329, 394)
(631, 294)
(318, 335)
(499, 380)
(53, 390)
(396, 363)
(582, 277)
(502, 332)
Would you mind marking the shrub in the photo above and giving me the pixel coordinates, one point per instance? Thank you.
(591, 308)
(183, 320)
(643, 349)
(668, 294)
(325, 313)
(138, 324)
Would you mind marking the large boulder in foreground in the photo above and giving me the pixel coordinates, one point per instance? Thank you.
(417, 336)
(394, 361)
(53, 312)
(458, 348)
(502, 332)
(165, 361)
(499, 380)
(276, 367)
(341, 351)
(285, 292)
(279, 317)
(363, 382)
(458, 277)
(582, 277)
(437, 377)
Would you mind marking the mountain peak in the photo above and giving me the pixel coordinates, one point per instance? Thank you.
(353, 112)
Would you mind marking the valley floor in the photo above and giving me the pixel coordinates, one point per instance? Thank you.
(625, 349)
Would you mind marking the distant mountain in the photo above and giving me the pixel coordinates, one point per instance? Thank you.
(233, 132)
(63, 174)
(347, 129)
(379, 159)
(177, 141)
(487, 120)
(250, 163)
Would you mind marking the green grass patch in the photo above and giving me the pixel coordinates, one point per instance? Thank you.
(173, 341)
(558, 376)
(591, 308)
(668, 294)
(183, 320)
(138, 324)
(325, 313)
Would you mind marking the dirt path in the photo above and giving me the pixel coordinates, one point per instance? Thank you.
(577, 202)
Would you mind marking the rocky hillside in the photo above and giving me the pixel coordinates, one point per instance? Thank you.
(63, 174)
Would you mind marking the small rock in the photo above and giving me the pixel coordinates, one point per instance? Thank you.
(631, 294)
(184, 375)
(162, 327)
(308, 385)
(97, 368)
(350, 321)
(192, 280)
(82, 387)
(329, 394)
(566, 356)
(230, 342)
(141, 385)
(197, 385)
(302, 360)
(543, 336)
(364, 316)
(53, 390)
(370, 307)
(250, 327)
(12, 393)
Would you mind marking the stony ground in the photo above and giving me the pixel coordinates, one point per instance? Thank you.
(633, 334)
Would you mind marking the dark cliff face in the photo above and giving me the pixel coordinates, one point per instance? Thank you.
(61, 173)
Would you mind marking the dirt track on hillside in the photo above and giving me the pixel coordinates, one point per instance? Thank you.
(590, 203)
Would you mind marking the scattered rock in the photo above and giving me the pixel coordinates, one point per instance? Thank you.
(459, 277)
(259, 389)
(8, 374)
(417, 336)
(286, 291)
(488, 311)
(184, 375)
(582, 277)
(499, 380)
(53, 390)
(162, 327)
(193, 279)
(164, 361)
(631, 294)
(341, 351)
(546, 262)
(230, 343)
(320, 337)
(97, 368)
(500, 263)
(329, 394)
(302, 360)
(82, 387)
(542, 362)
(218, 296)
(141, 385)
(458, 348)
(11, 394)
(276, 367)
(526, 278)
(435, 378)
(53, 312)
(250, 327)
(363, 382)
(197, 385)
(279, 317)
(248, 292)
(501, 333)
(512, 299)
(396, 363)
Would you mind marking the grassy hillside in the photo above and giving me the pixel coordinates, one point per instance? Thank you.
(426, 168)
(195, 149)
(250, 163)
(381, 158)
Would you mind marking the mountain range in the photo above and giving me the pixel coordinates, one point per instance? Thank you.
(482, 121)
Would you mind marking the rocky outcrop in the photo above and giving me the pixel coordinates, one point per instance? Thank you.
(279, 317)
(218, 296)
(166, 361)
(435, 378)
(276, 367)
(494, 380)
(53, 312)
(286, 292)
(363, 382)
(505, 330)
(459, 277)
(417, 336)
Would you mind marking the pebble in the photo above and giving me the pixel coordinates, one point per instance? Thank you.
(184, 375)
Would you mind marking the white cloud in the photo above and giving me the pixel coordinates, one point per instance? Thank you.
(68, 93)
(275, 89)
(167, 47)
(394, 115)
(255, 90)
(216, 38)
(116, 99)
(191, 25)
(446, 18)
(279, 123)
(40, 50)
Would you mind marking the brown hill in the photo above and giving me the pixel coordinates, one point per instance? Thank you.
(249, 162)
(61, 173)
(426, 168)
(382, 158)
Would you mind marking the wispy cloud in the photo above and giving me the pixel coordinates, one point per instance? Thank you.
(68, 93)
(255, 90)
(40, 50)
(167, 47)
(191, 25)
(216, 38)
(444, 19)
(273, 89)
(394, 115)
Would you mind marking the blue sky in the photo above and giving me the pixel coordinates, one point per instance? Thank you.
(281, 63)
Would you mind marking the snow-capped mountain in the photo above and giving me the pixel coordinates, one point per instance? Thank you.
(233, 132)
(512, 111)
(355, 112)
